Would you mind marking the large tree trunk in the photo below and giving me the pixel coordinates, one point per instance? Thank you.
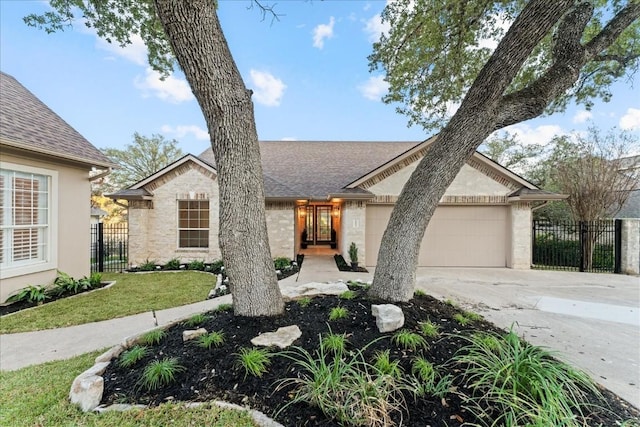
(203, 54)
(394, 278)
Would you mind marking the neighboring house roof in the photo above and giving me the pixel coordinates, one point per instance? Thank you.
(27, 123)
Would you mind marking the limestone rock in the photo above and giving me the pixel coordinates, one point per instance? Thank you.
(314, 288)
(108, 355)
(389, 317)
(86, 391)
(192, 334)
(97, 369)
(118, 407)
(281, 338)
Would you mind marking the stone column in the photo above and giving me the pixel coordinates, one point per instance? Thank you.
(138, 218)
(630, 256)
(519, 256)
(353, 229)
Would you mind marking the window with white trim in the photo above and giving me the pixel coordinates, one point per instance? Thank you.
(25, 218)
(193, 223)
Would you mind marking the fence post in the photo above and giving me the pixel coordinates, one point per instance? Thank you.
(100, 247)
(583, 231)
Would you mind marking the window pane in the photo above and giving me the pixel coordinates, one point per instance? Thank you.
(193, 223)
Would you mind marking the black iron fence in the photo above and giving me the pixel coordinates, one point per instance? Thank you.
(592, 246)
(109, 247)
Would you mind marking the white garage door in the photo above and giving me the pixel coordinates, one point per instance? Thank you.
(457, 236)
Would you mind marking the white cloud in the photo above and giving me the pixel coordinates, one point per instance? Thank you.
(322, 32)
(135, 52)
(172, 89)
(374, 27)
(539, 135)
(631, 120)
(181, 131)
(374, 88)
(268, 90)
(582, 116)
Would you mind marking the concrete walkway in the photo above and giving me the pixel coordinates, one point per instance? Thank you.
(592, 320)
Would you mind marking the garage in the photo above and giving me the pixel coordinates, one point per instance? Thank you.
(457, 236)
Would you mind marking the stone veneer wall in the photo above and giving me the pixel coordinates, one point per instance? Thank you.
(353, 229)
(519, 255)
(280, 226)
(160, 224)
(630, 256)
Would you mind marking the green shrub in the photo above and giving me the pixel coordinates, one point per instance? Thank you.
(335, 343)
(409, 340)
(160, 373)
(281, 263)
(419, 293)
(429, 329)
(461, 319)
(254, 361)
(348, 295)
(153, 337)
(196, 320)
(172, 264)
(132, 356)
(147, 265)
(196, 265)
(212, 339)
(95, 279)
(353, 252)
(521, 384)
(217, 266)
(338, 313)
(303, 302)
(32, 294)
(384, 364)
(224, 307)
(428, 380)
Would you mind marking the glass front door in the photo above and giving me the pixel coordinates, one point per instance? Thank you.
(319, 224)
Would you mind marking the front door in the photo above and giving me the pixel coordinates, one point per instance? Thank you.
(319, 224)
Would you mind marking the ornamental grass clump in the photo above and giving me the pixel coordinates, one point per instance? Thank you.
(212, 339)
(335, 342)
(153, 337)
(515, 383)
(254, 361)
(409, 340)
(338, 313)
(429, 329)
(133, 356)
(160, 373)
(345, 387)
(384, 364)
(428, 380)
(196, 320)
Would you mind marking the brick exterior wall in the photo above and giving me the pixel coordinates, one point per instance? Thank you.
(353, 229)
(520, 231)
(280, 226)
(630, 256)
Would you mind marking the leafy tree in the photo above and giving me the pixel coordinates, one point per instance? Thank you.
(511, 153)
(189, 32)
(144, 157)
(434, 56)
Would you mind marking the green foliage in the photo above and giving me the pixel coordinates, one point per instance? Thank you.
(224, 307)
(357, 283)
(419, 293)
(197, 265)
(428, 380)
(353, 252)
(348, 295)
(409, 340)
(461, 319)
(160, 373)
(32, 294)
(153, 337)
(450, 302)
(434, 52)
(511, 153)
(338, 313)
(384, 364)
(522, 384)
(148, 265)
(132, 356)
(172, 264)
(196, 320)
(217, 266)
(281, 263)
(344, 387)
(254, 361)
(335, 343)
(67, 284)
(429, 329)
(95, 279)
(305, 301)
(212, 339)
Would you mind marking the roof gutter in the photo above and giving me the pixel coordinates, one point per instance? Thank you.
(18, 145)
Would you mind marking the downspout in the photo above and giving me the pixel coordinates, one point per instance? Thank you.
(535, 208)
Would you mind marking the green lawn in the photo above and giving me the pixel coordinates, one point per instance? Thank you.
(132, 294)
(37, 396)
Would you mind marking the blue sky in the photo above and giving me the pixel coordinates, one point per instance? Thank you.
(309, 72)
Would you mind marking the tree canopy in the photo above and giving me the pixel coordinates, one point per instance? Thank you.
(434, 51)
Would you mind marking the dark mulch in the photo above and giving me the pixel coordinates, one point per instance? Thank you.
(343, 266)
(23, 305)
(214, 374)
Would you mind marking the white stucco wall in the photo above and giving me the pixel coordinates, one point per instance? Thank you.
(70, 224)
(280, 227)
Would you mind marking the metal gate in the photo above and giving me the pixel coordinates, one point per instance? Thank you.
(592, 246)
(109, 244)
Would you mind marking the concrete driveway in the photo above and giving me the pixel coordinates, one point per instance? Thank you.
(592, 320)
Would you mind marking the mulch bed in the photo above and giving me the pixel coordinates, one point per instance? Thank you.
(214, 374)
(23, 305)
(343, 266)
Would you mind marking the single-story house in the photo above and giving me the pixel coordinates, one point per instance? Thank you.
(335, 193)
(45, 192)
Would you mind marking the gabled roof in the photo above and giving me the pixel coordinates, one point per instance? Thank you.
(27, 123)
(320, 169)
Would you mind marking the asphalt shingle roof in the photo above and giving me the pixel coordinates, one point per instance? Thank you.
(315, 169)
(27, 123)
